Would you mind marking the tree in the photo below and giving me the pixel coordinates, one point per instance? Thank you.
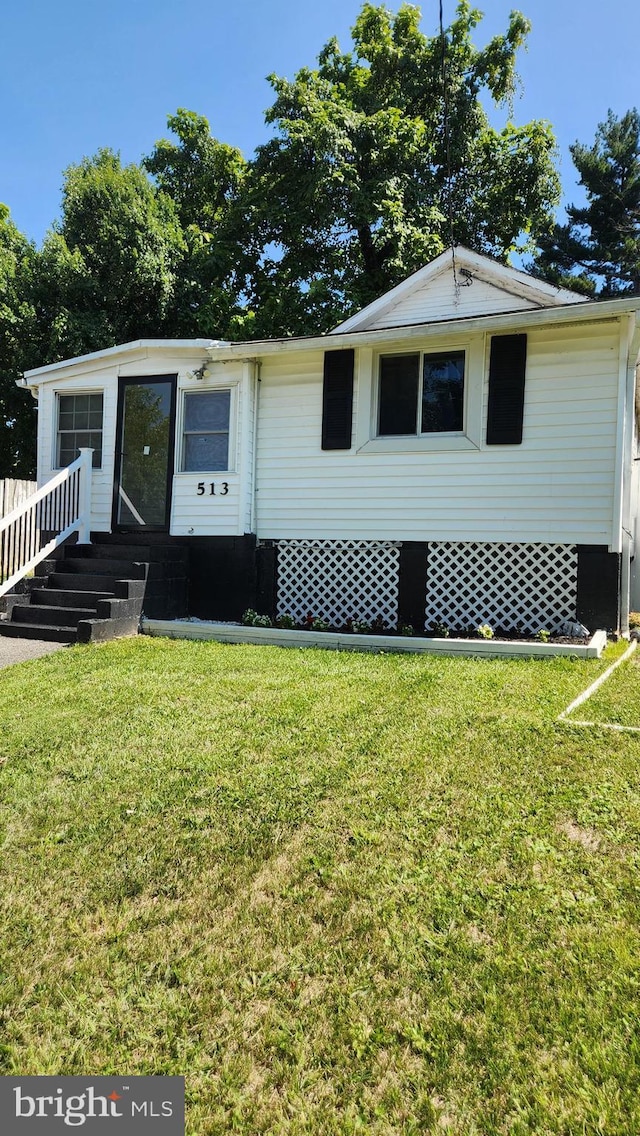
(106, 273)
(382, 157)
(598, 249)
(17, 410)
(108, 270)
(204, 178)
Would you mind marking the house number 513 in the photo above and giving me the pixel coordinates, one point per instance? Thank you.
(216, 488)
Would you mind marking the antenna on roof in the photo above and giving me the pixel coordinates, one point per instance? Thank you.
(447, 149)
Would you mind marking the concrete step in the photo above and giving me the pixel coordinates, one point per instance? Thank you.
(49, 632)
(133, 552)
(139, 536)
(83, 582)
(99, 630)
(60, 616)
(104, 566)
(58, 597)
(105, 545)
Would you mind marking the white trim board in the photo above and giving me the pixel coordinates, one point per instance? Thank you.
(509, 280)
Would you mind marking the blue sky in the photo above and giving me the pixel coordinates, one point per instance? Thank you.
(80, 74)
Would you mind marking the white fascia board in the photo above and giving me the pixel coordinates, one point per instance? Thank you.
(515, 280)
(592, 311)
(42, 373)
(501, 276)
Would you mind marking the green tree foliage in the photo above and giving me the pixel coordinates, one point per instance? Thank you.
(598, 249)
(108, 270)
(382, 156)
(106, 273)
(204, 178)
(201, 175)
(17, 327)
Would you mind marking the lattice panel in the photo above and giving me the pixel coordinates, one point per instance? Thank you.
(338, 580)
(510, 586)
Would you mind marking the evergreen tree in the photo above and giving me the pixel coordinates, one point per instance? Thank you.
(598, 249)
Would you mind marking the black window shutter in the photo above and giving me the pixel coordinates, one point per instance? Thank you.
(337, 399)
(505, 410)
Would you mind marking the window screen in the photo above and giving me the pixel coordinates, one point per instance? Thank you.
(398, 394)
(442, 392)
(206, 431)
(434, 383)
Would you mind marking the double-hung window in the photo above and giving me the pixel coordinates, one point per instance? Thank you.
(79, 425)
(421, 393)
(205, 432)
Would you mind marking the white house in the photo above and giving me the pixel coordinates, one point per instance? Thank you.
(462, 450)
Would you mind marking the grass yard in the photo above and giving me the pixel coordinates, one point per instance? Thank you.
(617, 701)
(340, 893)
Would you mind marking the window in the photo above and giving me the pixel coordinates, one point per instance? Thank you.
(421, 394)
(79, 425)
(206, 431)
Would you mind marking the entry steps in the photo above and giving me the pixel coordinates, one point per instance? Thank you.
(90, 592)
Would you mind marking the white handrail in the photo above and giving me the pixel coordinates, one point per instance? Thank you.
(60, 508)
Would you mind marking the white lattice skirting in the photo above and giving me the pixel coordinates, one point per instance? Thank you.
(338, 580)
(511, 586)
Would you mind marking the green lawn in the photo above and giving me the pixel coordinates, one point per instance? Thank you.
(617, 701)
(340, 893)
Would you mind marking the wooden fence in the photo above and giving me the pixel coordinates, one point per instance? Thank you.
(13, 492)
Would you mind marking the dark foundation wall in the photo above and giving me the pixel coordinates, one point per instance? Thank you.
(223, 576)
(229, 574)
(220, 577)
(412, 583)
(267, 580)
(207, 577)
(598, 605)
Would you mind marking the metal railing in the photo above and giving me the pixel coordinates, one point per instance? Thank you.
(32, 530)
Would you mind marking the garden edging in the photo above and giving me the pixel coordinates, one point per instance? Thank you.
(343, 641)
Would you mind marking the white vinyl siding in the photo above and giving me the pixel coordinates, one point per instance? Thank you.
(557, 486)
(220, 512)
(439, 300)
(196, 514)
(91, 382)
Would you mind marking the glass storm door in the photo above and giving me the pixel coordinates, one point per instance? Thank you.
(144, 454)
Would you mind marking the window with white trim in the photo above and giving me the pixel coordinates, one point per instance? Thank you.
(421, 393)
(205, 431)
(79, 425)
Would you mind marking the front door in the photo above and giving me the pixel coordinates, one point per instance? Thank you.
(144, 453)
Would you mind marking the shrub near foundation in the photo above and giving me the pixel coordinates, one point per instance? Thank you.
(484, 631)
(286, 622)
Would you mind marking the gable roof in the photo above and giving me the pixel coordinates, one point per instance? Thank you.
(432, 292)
